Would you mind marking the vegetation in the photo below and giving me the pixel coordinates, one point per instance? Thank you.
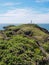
(24, 45)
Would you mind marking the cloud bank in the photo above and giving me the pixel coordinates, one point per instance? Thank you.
(24, 15)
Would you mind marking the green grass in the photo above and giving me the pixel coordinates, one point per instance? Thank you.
(21, 49)
(18, 50)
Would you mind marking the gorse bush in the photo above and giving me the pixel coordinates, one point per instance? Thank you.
(17, 50)
(21, 49)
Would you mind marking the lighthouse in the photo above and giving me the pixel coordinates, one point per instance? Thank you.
(31, 22)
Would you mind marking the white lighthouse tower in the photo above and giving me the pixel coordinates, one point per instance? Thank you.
(31, 22)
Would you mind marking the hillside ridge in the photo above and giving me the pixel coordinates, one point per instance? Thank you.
(26, 44)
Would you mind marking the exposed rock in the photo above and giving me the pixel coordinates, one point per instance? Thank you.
(43, 29)
(46, 39)
(15, 30)
(28, 33)
(6, 27)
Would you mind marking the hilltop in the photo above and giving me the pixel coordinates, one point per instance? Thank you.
(26, 44)
(31, 30)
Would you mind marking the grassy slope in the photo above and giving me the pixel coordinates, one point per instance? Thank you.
(21, 48)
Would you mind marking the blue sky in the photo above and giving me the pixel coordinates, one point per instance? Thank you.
(23, 11)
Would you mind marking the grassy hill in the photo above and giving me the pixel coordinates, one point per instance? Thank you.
(26, 44)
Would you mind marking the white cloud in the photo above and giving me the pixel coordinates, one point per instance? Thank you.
(10, 4)
(24, 16)
(39, 1)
